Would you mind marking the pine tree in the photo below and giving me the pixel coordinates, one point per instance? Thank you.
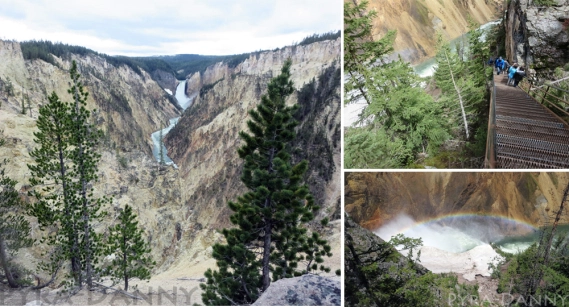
(461, 82)
(131, 252)
(9, 87)
(360, 50)
(66, 164)
(477, 56)
(14, 228)
(449, 76)
(269, 239)
(402, 120)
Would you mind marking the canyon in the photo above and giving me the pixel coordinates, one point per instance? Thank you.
(418, 21)
(372, 199)
(181, 210)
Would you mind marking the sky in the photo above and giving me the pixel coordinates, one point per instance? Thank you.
(166, 27)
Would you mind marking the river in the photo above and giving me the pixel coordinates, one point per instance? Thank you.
(424, 69)
(184, 101)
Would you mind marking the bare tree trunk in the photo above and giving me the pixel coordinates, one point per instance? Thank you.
(267, 254)
(125, 264)
(459, 96)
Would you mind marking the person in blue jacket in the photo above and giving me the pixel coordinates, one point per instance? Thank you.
(498, 64)
(511, 73)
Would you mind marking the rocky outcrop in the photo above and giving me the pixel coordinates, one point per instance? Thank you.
(417, 22)
(165, 79)
(306, 290)
(371, 199)
(537, 36)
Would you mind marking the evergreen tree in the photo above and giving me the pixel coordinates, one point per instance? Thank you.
(269, 239)
(9, 87)
(450, 77)
(14, 228)
(478, 55)
(401, 119)
(66, 164)
(461, 82)
(360, 50)
(131, 252)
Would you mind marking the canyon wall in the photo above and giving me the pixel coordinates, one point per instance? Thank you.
(418, 21)
(204, 142)
(165, 79)
(537, 36)
(371, 199)
(129, 106)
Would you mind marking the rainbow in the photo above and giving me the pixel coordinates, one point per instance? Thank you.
(471, 216)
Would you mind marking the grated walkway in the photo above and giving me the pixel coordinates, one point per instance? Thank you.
(528, 135)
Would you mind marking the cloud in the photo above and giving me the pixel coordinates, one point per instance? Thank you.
(154, 27)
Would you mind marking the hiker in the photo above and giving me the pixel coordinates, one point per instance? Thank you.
(490, 61)
(505, 65)
(511, 73)
(498, 65)
(519, 75)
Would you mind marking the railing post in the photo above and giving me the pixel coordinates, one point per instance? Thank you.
(544, 95)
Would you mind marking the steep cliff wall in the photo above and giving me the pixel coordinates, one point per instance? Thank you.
(165, 79)
(538, 36)
(204, 143)
(307, 62)
(374, 198)
(130, 106)
(418, 21)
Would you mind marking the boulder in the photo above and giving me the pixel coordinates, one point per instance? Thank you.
(306, 290)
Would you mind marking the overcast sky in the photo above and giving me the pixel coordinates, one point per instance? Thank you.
(161, 27)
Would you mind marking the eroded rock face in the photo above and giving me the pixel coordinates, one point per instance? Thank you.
(204, 142)
(129, 106)
(165, 79)
(417, 22)
(307, 62)
(374, 198)
(306, 290)
(538, 36)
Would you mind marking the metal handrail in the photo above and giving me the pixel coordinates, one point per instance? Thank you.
(558, 103)
(490, 158)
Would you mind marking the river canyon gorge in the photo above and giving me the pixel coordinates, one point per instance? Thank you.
(462, 218)
(181, 205)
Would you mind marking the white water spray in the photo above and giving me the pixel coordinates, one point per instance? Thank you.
(458, 244)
